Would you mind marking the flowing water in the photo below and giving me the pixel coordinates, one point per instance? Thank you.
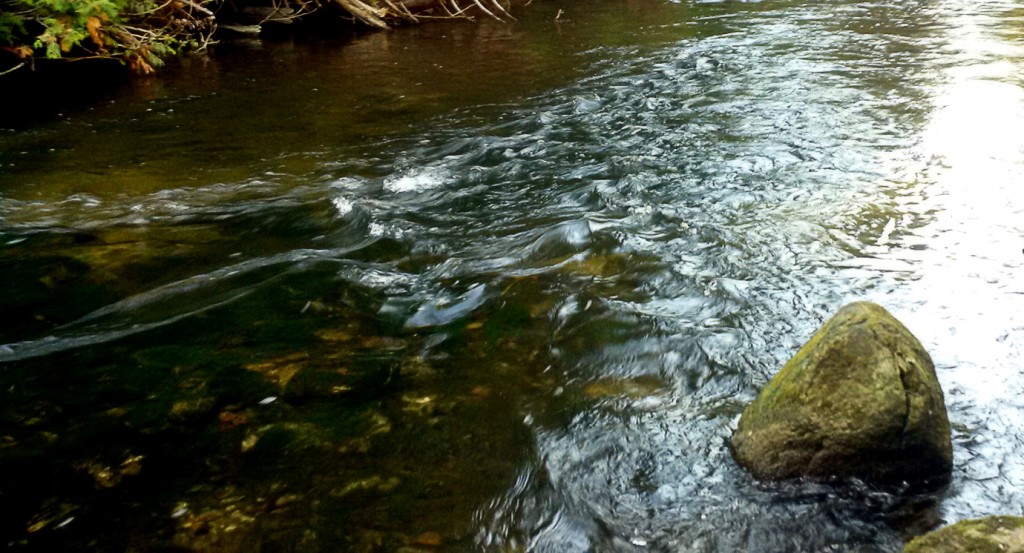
(506, 287)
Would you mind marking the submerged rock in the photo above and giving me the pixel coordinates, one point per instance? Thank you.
(860, 399)
(1003, 534)
(281, 370)
(638, 387)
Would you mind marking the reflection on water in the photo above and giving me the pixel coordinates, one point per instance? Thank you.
(506, 287)
(967, 292)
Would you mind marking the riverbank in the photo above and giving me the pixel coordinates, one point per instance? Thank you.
(31, 84)
(143, 35)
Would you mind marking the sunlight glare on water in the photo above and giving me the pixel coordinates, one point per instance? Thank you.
(968, 295)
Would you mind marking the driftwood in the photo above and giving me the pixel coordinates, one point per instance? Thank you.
(381, 14)
(417, 5)
(365, 13)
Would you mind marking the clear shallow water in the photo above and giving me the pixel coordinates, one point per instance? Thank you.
(507, 287)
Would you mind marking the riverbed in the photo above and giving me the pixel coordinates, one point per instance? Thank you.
(506, 286)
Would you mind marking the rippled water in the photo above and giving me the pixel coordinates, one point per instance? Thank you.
(507, 287)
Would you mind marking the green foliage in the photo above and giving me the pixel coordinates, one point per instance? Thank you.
(10, 26)
(138, 32)
(68, 23)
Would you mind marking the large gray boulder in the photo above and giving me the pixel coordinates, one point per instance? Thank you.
(860, 399)
(995, 534)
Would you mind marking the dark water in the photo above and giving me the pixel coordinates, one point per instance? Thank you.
(506, 287)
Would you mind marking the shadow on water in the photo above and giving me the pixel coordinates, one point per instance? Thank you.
(504, 287)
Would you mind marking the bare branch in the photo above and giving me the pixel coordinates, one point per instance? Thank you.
(13, 69)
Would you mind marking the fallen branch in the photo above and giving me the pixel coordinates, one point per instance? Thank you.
(485, 10)
(413, 10)
(416, 5)
(365, 13)
(402, 10)
(502, 9)
(13, 69)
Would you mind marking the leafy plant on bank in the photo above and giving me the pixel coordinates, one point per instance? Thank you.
(141, 33)
(138, 32)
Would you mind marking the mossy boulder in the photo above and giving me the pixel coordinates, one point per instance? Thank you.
(995, 534)
(859, 400)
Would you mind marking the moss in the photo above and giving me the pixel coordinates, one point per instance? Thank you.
(859, 399)
(996, 534)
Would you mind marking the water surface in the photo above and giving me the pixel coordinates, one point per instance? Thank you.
(506, 287)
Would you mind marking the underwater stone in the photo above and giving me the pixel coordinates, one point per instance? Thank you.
(1004, 534)
(859, 400)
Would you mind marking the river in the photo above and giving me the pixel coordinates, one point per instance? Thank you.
(505, 286)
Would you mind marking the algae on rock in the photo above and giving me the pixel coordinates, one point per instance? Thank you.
(859, 400)
(1003, 534)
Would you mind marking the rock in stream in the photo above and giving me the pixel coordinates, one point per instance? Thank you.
(859, 400)
(1004, 534)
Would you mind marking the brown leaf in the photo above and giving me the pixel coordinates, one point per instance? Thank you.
(23, 52)
(230, 420)
(139, 65)
(429, 539)
(92, 26)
